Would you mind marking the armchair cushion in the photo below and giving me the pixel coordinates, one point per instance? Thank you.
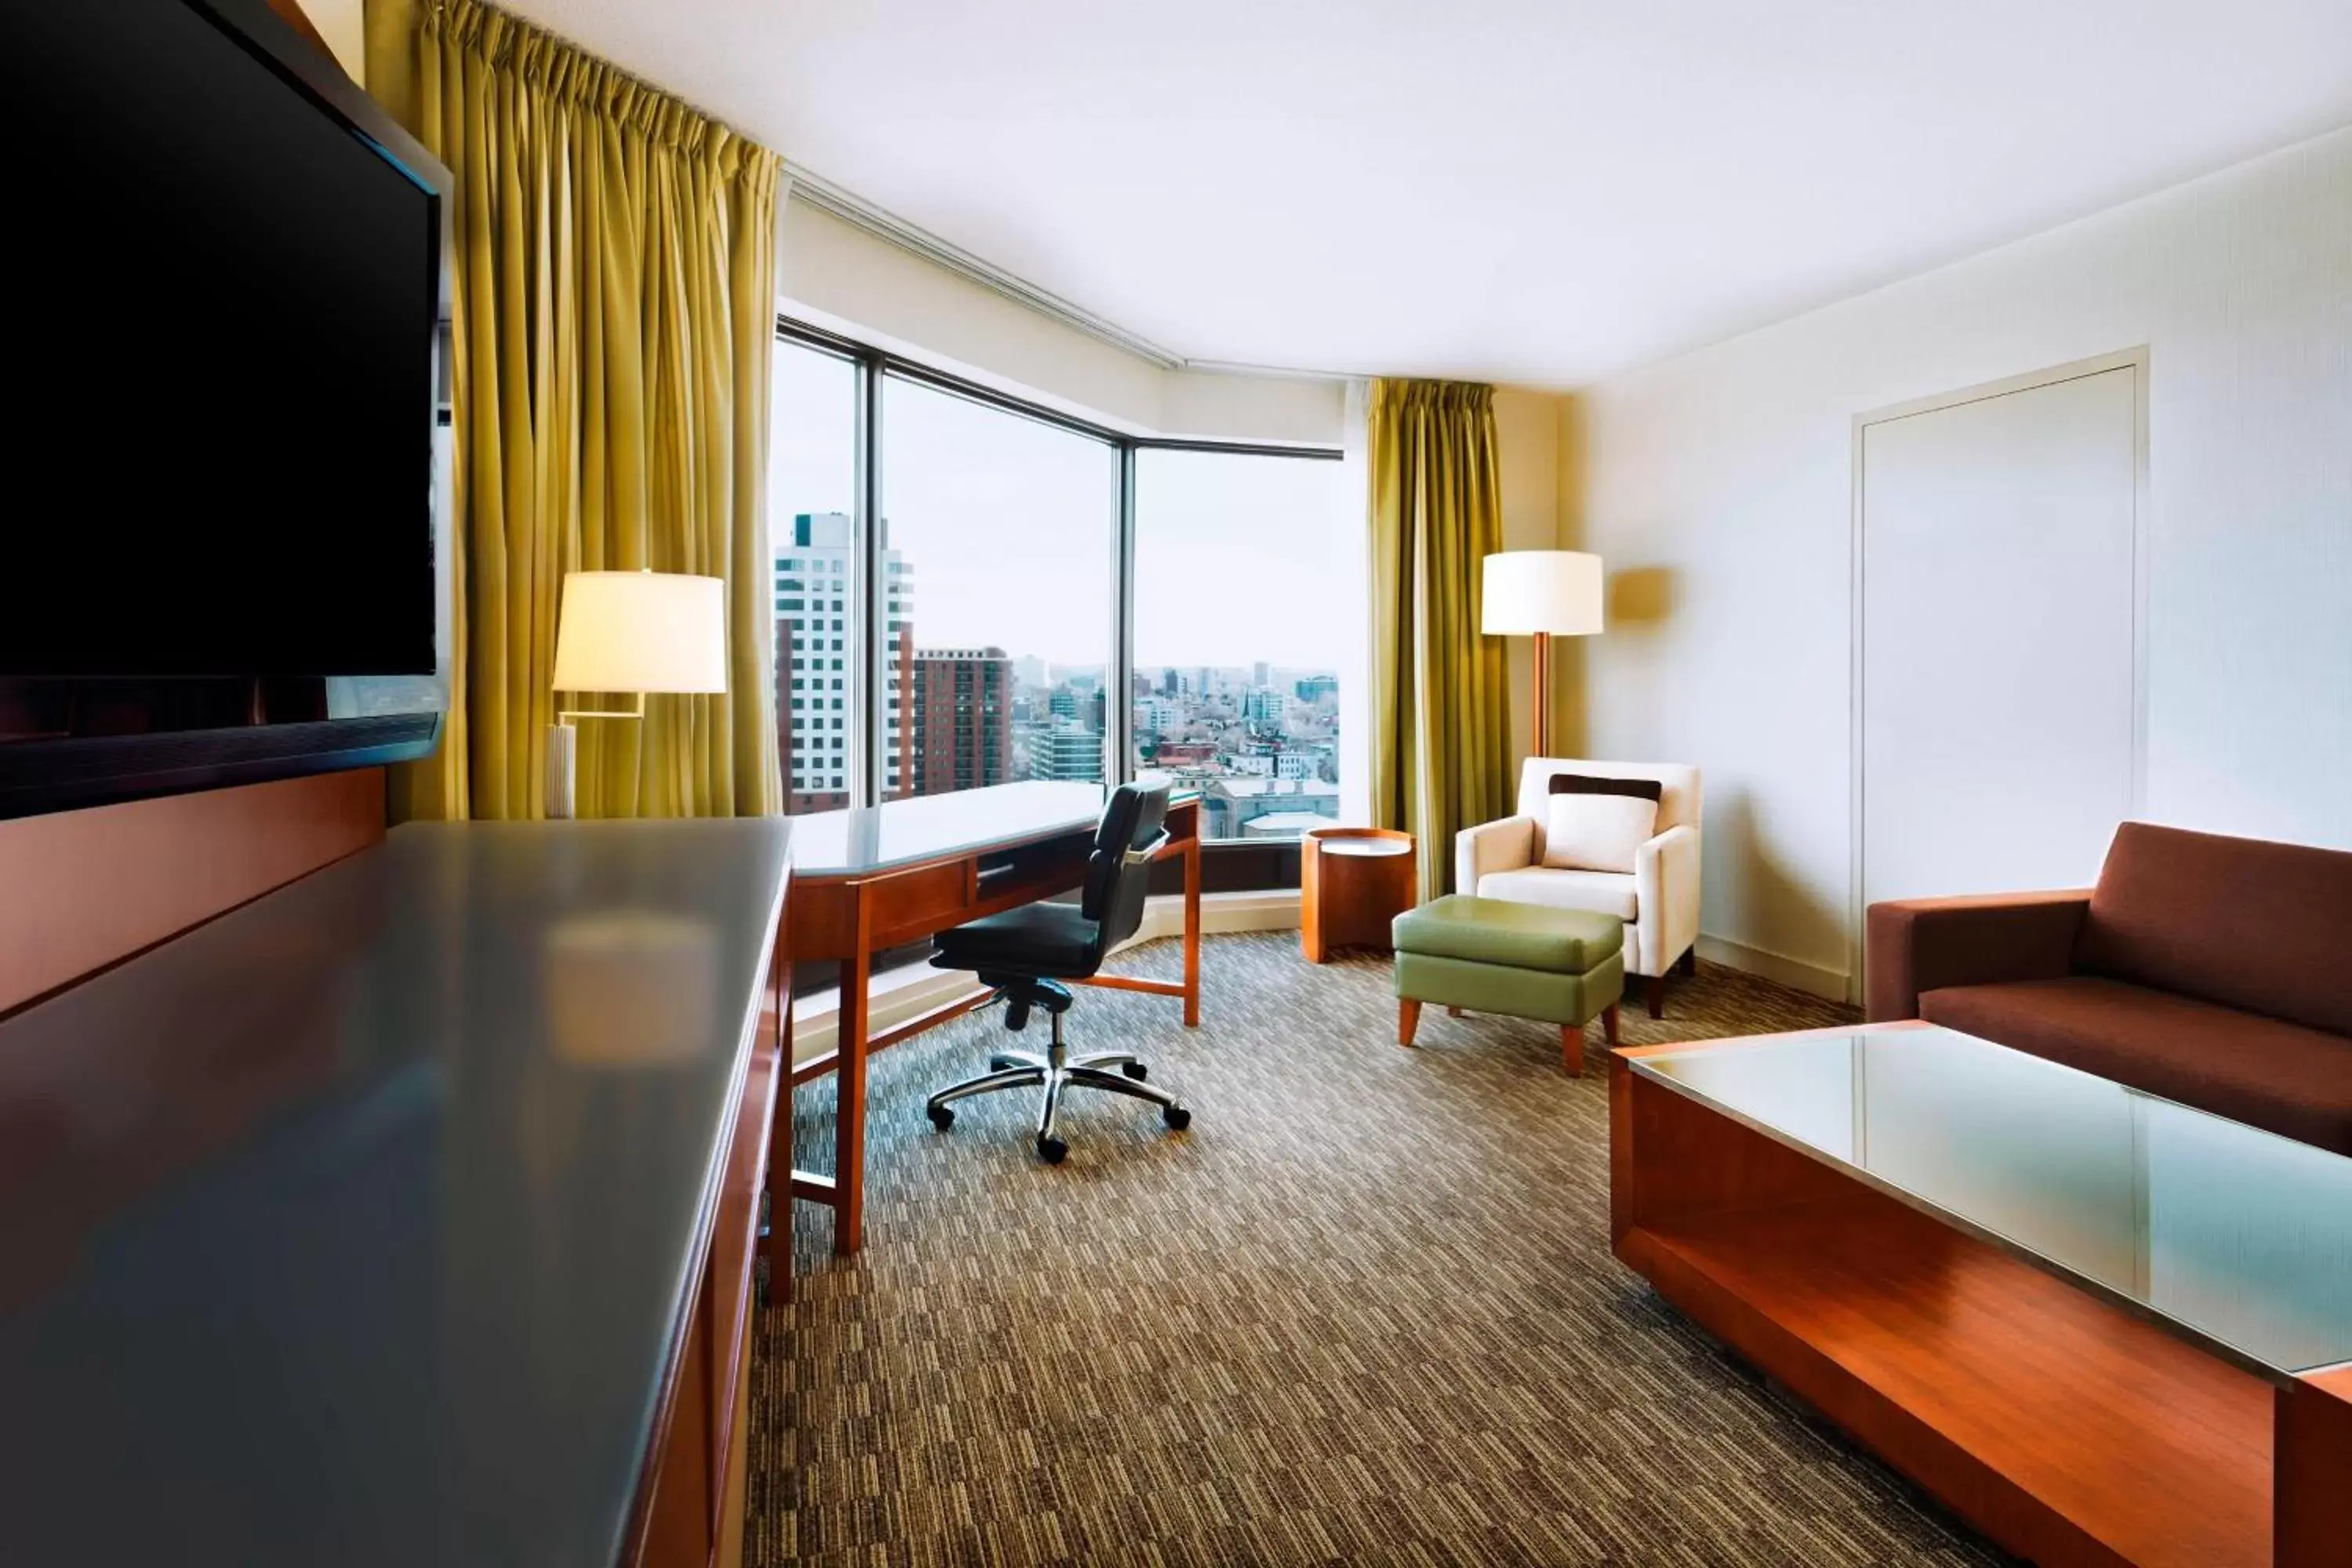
(1597, 893)
(1591, 831)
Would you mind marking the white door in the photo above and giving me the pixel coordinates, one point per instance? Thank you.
(1998, 598)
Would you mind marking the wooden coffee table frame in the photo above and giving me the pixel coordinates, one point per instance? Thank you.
(2067, 1429)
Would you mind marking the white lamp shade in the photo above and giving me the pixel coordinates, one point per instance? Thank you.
(641, 631)
(1530, 591)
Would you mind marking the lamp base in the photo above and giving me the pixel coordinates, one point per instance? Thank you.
(563, 754)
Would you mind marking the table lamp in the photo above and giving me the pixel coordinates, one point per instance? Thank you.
(1546, 594)
(630, 632)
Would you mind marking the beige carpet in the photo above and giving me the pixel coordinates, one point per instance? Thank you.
(1364, 1312)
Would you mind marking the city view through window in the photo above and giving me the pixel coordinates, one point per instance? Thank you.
(998, 615)
(1238, 632)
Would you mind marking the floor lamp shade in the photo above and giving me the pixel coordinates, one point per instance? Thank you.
(1554, 592)
(630, 632)
(1541, 593)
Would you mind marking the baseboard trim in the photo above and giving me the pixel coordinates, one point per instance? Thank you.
(906, 996)
(1271, 908)
(1829, 983)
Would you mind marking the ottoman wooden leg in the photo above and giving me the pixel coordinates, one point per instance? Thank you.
(1571, 1049)
(1609, 1022)
(1408, 1019)
(1453, 1012)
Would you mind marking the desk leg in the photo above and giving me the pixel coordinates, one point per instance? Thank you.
(849, 1116)
(1193, 933)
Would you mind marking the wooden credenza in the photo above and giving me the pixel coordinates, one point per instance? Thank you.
(404, 1215)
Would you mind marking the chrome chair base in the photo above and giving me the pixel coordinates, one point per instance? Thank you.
(1054, 1071)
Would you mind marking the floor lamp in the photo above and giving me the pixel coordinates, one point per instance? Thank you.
(1543, 594)
(630, 632)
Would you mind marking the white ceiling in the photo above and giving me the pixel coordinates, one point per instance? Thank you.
(1505, 189)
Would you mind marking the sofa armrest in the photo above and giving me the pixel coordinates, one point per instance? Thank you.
(1509, 844)
(1665, 897)
(1911, 945)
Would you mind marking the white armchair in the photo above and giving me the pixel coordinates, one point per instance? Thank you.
(1658, 902)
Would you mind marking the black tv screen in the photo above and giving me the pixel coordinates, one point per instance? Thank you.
(226, 295)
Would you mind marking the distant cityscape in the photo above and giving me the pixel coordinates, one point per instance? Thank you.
(1259, 740)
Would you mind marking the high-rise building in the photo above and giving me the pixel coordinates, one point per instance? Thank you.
(1260, 675)
(1264, 709)
(1069, 750)
(1170, 683)
(1316, 686)
(964, 719)
(817, 659)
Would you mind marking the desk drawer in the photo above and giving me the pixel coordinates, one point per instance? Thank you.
(1034, 870)
(925, 900)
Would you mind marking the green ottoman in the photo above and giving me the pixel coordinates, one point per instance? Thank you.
(1524, 960)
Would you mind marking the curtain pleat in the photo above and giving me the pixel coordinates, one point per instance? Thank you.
(613, 327)
(1440, 713)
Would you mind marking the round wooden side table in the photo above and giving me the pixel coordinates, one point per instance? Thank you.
(1352, 881)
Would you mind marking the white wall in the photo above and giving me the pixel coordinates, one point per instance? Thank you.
(835, 274)
(1718, 487)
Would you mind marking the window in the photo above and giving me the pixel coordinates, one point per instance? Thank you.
(1008, 523)
(812, 495)
(978, 608)
(1244, 704)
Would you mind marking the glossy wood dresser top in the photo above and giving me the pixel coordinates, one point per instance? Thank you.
(356, 1226)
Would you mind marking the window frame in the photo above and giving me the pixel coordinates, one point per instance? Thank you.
(869, 608)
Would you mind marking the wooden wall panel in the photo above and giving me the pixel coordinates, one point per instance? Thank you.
(81, 889)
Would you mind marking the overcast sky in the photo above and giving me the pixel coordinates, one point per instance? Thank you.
(1006, 524)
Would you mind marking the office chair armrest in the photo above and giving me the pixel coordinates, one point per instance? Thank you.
(1147, 852)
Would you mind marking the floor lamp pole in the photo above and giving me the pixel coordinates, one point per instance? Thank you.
(1543, 694)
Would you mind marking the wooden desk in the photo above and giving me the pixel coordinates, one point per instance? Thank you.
(874, 877)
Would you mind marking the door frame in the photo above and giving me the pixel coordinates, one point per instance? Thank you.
(2138, 360)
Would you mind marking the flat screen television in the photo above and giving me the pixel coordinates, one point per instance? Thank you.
(225, 557)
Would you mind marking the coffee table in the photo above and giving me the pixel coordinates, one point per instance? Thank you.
(2101, 1326)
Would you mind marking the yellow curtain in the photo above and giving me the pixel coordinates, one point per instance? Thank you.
(1440, 711)
(613, 325)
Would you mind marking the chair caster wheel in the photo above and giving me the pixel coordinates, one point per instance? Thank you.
(943, 1117)
(1135, 1070)
(1050, 1150)
(1177, 1116)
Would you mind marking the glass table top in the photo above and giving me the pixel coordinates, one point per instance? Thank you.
(860, 839)
(2233, 1236)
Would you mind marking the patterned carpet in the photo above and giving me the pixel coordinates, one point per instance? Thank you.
(1364, 1312)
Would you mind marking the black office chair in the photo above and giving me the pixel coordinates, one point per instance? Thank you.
(1024, 954)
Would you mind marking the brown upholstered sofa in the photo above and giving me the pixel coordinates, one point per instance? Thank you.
(2213, 971)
